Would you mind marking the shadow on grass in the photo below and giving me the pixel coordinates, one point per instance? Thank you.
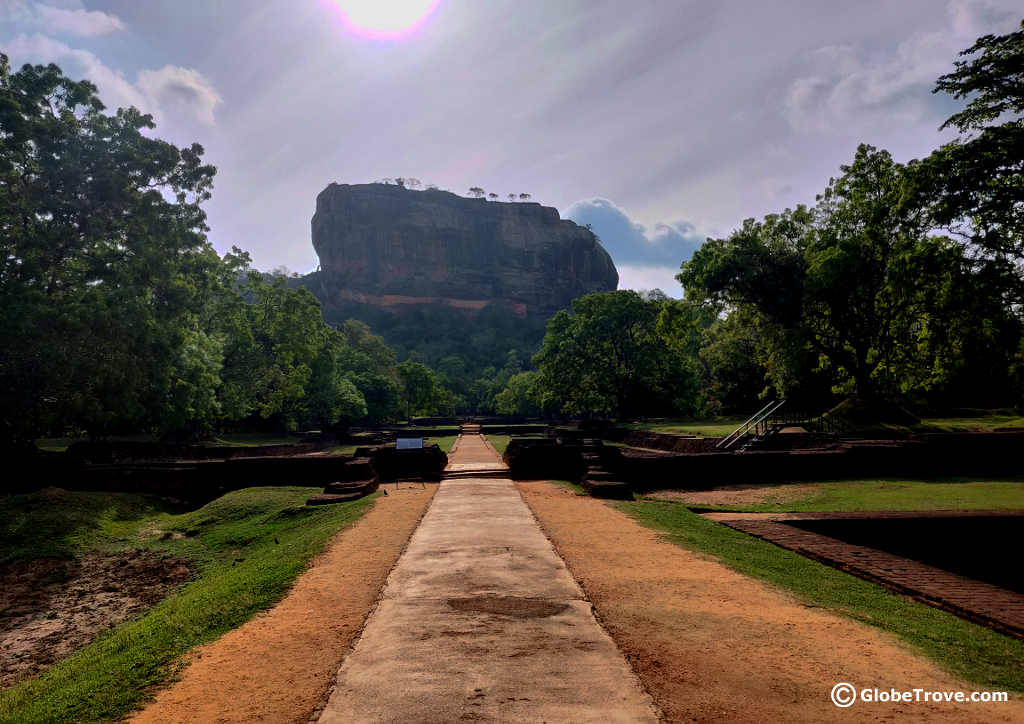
(56, 523)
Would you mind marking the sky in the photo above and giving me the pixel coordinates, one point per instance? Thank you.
(658, 122)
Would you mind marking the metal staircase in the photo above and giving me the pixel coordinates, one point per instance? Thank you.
(770, 419)
(754, 422)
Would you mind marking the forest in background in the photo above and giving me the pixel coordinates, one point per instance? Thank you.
(901, 284)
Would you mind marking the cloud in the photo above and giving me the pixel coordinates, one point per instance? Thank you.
(174, 87)
(115, 90)
(81, 22)
(68, 19)
(630, 243)
(852, 81)
(170, 91)
(643, 278)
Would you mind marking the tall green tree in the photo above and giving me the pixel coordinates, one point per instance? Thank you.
(422, 391)
(976, 183)
(105, 268)
(518, 397)
(856, 288)
(370, 364)
(608, 357)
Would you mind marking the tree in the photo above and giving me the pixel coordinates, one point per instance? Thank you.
(400, 181)
(106, 270)
(974, 186)
(852, 288)
(476, 192)
(732, 360)
(511, 197)
(331, 401)
(421, 391)
(370, 364)
(518, 396)
(270, 360)
(607, 357)
(524, 197)
(492, 197)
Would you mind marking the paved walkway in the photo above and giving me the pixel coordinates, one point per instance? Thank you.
(481, 621)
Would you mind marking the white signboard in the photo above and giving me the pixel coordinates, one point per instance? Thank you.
(409, 443)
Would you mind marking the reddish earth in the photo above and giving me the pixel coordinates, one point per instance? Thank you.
(50, 607)
(710, 644)
(279, 666)
(978, 601)
(739, 494)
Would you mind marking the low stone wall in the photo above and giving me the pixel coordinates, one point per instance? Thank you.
(544, 459)
(427, 462)
(101, 452)
(669, 443)
(193, 481)
(492, 420)
(537, 429)
(967, 454)
(394, 432)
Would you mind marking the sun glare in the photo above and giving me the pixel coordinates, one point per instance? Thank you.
(384, 19)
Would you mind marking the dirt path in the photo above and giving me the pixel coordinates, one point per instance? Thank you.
(481, 621)
(278, 666)
(713, 645)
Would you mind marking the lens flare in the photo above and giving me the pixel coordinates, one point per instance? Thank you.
(384, 19)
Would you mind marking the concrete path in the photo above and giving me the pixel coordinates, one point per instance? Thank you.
(481, 621)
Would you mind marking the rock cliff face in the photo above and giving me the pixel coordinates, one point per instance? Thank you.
(388, 247)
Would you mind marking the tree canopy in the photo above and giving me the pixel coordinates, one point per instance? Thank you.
(974, 186)
(119, 314)
(609, 356)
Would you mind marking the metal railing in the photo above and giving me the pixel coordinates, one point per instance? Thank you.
(752, 423)
(771, 418)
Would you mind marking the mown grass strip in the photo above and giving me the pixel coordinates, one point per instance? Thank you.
(247, 547)
(891, 494)
(972, 652)
(445, 443)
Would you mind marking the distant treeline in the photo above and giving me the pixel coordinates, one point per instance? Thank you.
(901, 283)
(118, 316)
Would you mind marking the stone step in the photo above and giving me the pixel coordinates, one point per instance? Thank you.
(365, 487)
(599, 475)
(463, 474)
(359, 469)
(610, 489)
(330, 498)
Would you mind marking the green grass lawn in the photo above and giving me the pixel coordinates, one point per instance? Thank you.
(245, 548)
(896, 494)
(341, 450)
(984, 423)
(712, 427)
(254, 439)
(721, 426)
(60, 444)
(973, 652)
(414, 428)
(228, 439)
(445, 443)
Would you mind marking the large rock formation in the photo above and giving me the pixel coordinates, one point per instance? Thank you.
(386, 246)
